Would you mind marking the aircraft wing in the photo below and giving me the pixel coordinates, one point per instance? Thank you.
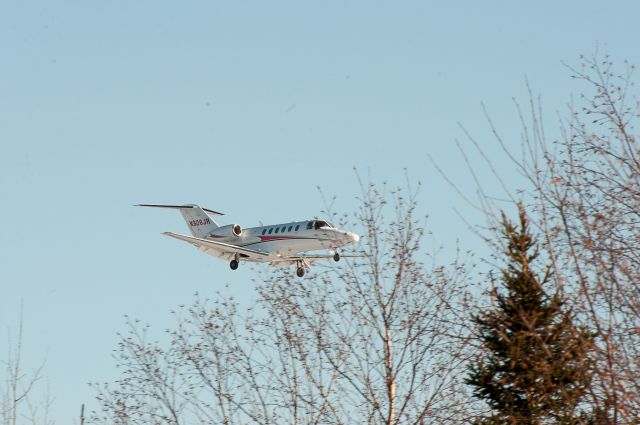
(219, 247)
(312, 258)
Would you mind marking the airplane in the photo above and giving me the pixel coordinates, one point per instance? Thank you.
(274, 244)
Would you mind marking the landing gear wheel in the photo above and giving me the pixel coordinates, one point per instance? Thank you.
(336, 257)
(233, 264)
(300, 271)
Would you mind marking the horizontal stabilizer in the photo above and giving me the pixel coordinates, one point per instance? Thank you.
(180, 207)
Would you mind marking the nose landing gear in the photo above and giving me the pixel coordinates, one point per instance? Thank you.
(336, 256)
(301, 267)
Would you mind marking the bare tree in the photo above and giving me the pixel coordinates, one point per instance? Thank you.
(378, 340)
(383, 335)
(585, 191)
(18, 403)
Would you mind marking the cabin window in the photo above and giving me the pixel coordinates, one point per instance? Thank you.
(284, 229)
(290, 227)
(264, 231)
(277, 229)
(297, 227)
(270, 230)
(310, 225)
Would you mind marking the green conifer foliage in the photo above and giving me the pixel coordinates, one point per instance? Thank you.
(533, 367)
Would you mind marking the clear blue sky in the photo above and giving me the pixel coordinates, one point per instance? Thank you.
(243, 107)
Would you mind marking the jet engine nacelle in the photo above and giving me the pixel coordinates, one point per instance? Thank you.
(230, 231)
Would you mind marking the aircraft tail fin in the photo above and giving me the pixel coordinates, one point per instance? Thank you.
(198, 219)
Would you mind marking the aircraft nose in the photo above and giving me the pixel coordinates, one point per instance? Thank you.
(354, 237)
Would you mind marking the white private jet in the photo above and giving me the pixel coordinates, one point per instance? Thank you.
(274, 244)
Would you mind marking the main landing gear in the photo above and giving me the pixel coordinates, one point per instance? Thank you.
(300, 271)
(234, 263)
(336, 256)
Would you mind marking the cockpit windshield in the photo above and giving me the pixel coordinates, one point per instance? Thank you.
(317, 224)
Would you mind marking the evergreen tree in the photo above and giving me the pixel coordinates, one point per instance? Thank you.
(534, 366)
